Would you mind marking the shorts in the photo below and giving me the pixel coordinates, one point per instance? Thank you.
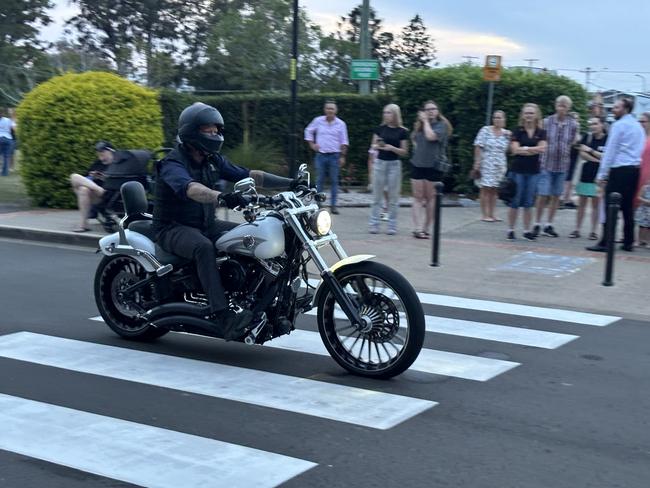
(430, 174)
(587, 189)
(526, 189)
(551, 183)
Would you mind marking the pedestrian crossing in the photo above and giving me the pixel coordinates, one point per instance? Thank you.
(148, 455)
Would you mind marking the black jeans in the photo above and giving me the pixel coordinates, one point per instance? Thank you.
(192, 243)
(625, 181)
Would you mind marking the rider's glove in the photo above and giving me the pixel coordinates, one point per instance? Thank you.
(232, 200)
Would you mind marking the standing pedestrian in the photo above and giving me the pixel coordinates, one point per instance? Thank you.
(490, 147)
(644, 169)
(428, 164)
(591, 151)
(528, 142)
(619, 168)
(390, 139)
(643, 195)
(327, 136)
(566, 201)
(561, 132)
(6, 140)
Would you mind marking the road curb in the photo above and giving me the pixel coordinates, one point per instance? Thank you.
(58, 237)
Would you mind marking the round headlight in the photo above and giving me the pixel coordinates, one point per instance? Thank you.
(321, 222)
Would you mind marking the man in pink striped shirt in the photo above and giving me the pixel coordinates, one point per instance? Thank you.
(327, 136)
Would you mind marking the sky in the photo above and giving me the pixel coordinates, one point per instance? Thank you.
(563, 35)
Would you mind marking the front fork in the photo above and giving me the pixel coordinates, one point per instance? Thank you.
(326, 274)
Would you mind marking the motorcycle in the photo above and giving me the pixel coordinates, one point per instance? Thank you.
(369, 316)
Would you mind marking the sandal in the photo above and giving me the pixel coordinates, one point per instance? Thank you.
(80, 229)
(420, 235)
(593, 236)
(574, 235)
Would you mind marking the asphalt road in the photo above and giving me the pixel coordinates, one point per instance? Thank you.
(571, 416)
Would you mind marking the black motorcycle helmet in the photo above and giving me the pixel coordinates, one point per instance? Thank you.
(191, 120)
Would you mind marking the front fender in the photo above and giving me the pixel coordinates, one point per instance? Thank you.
(341, 264)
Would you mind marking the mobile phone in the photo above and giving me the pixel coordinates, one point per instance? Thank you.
(380, 141)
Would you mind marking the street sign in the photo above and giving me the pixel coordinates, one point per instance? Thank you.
(492, 68)
(364, 69)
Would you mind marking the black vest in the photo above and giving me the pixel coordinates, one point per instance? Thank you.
(172, 209)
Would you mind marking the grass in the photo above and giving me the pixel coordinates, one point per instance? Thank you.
(12, 191)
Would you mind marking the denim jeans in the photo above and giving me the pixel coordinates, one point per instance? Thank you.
(386, 175)
(6, 147)
(526, 189)
(327, 165)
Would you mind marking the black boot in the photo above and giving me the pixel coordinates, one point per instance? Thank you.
(234, 324)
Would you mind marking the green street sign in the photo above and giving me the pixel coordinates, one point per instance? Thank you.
(364, 69)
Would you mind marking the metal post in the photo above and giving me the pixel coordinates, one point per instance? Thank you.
(435, 234)
(293, 75)
(613, 205)
(488, 111)
(364, 44)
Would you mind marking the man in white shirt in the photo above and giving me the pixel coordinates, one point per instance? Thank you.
(6, 140)
(327, 136)
(619, 168)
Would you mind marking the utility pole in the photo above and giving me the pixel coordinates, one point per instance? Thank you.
(587, 72)
(469, 59)
(364, 41)
(531, 61)
(293, 76)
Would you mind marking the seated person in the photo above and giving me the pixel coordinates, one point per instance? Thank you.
(88, 188)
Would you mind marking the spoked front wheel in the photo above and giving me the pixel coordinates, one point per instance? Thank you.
(393, 331)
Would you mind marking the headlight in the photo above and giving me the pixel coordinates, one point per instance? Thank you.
(321, 222)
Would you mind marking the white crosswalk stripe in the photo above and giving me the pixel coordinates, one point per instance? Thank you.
(136, 453)
(563, 315)
(486, 331)
(429, 361)
(300, 395)
(152, 456)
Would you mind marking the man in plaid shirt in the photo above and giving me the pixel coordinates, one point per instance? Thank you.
(561, 133)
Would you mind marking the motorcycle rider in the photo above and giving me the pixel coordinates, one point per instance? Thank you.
(185, 203)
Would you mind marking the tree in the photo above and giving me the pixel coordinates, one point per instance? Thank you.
(340, 48)
(21, 54)
(415, 48)
(118, 29)
(248, 48)
(67, 56)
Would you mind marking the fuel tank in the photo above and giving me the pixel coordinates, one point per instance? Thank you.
(262, 239)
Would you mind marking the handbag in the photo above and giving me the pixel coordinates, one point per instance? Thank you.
(507, 189)
(475, 174)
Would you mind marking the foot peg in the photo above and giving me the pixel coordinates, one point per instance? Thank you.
(163, 270)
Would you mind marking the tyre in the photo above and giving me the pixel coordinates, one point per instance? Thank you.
(118, 309)
(394, 332)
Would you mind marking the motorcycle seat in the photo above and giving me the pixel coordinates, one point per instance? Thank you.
(168, 258)
(143, 227)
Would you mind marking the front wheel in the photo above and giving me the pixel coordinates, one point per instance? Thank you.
(394, 332)
(120, 309)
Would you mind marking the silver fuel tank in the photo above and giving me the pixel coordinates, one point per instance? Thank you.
(263, 239)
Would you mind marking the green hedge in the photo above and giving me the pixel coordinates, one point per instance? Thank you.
(265, 119)
(60, 121)
(461, 95)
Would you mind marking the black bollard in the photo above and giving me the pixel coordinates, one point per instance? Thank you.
(613, 205)
(435, 234)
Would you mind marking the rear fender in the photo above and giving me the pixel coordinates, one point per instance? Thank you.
(137, 244)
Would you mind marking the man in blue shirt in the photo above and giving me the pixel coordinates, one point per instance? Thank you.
(186, 200)
(619, 168)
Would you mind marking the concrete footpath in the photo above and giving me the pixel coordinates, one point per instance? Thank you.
(476, 260)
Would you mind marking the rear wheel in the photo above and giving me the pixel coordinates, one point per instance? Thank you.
(393, 333)
(120, 309)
